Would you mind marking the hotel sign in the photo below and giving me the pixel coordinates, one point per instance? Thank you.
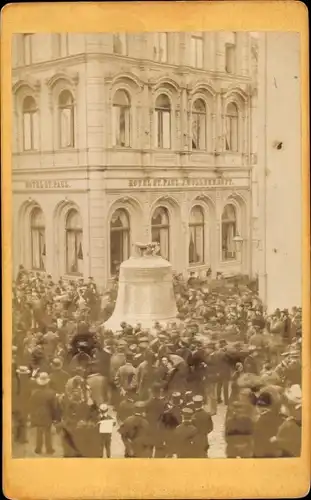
(179, 182)
(47, 184)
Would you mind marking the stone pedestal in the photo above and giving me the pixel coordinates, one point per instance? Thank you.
(145, 293)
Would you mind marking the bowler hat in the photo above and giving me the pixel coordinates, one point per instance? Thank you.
(43, 379)
(198, 400)
(187, 412)
(23, 370)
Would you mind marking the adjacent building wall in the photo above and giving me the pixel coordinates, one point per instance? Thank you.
(279, 170)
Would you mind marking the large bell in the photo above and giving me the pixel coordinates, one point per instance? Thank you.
(145, 292)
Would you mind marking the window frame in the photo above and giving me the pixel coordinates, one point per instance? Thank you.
(127, 108)
(71, 108)
(157, 47)
(198, 114)
(230, 47)
(194, 63)
(27, 36)
(32, 124)
(231, 119)
(124, 47)
(37, 228)
(165, 226)
(123, 230)
(159, 114)
(228, 222)
(75, 231)
(196, 225)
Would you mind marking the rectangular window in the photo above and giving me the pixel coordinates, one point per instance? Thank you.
(27, 47)
(160, 47)
(197, 51)
(64, 45)
(230, 58)
(120, 44)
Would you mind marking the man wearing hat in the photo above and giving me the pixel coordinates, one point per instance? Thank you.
(267, 425)
(43, 412)
(171, 418)
(155, 408)
(22, 402)
(58, 376)
(185, 437)
(135, 433)
(202, 420)
(126, 407)
(288, 436)
(106, 436)
(125, 375)
(224, 372)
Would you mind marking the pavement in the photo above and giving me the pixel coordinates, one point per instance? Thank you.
(216, 441)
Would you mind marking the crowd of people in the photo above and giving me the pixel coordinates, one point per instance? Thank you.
(158, 388)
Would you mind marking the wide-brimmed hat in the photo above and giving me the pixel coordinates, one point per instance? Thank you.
(43, 378)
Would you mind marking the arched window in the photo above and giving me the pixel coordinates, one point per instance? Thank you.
(228, 231)
(196, 236)
(74, 243)
(163, 122)
(37, 238)
(232, 127)
(30, 124)
(121, 119)
(160, 230)
(119, 239)
(199, 125)
(66, 119)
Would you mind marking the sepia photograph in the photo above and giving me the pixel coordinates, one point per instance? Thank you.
(156, 245)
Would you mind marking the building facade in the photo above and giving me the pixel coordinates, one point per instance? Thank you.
(120, 138)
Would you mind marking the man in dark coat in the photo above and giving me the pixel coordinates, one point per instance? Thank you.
(202, 420)
(170, 419)
(135, 433)
(224, 372)
(266, 427)
(155, 408)
(58, 376)
(43, 412)
(185, 436)
(239, 430)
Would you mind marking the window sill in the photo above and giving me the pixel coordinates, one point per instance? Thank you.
(73, 276)
(230, 261)
(71, 149)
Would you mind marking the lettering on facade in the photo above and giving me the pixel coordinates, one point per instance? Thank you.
(173, 182)
(46, 184)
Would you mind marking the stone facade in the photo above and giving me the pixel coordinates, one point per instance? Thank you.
(96, 176)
